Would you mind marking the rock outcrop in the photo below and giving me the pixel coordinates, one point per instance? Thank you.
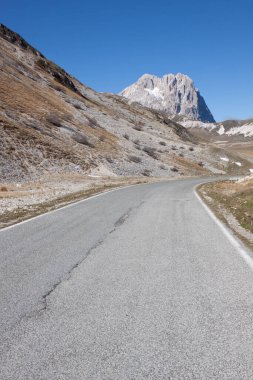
(173, 94)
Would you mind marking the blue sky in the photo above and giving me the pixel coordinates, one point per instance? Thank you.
(109, 44)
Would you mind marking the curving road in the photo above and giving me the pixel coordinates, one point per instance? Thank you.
(138, 283)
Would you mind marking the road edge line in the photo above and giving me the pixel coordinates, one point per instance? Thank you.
(68, 205)
(241, 249)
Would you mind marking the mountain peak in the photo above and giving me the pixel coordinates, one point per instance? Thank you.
(171, 93)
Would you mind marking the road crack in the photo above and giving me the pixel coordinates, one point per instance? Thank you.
(43, 304)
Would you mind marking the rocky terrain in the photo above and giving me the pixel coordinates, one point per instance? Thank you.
(51, 124)
(173, 94)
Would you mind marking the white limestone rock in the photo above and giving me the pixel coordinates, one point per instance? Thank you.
(173, 94)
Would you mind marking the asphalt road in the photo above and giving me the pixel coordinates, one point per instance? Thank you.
(139, 283)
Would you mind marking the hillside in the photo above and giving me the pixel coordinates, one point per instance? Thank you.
(51, 123)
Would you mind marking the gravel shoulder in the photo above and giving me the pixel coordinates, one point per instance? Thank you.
(232, 202)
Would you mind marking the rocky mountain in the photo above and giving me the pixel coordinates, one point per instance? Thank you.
(173, 94)
(51, 123)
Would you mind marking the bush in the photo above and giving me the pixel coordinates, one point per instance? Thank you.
(58, 88)
(77, 106)
(146, 173)
(200, 163)
(134, 159)
(137, 128)
(126, 136)
(174, 147)
(54, 119)
(150, 151)
(136, 141)
(3, 188)
(174, 169)
(162, 143)
(41, 63)
(67, 117)
(81, 139)
(191, 149)
(92, 122)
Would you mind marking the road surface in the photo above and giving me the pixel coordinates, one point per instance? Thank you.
(139, 283)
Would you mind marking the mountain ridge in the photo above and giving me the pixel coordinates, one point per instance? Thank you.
(171, 93)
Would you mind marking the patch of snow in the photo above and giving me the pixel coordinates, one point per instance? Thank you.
(221, 131)
(238, 163)
(246, 130)
(155, 92)
(247, 178)
(197, 124)
(224, 159)
(251, 170)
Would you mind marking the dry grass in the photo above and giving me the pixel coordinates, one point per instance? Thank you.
(232, 198)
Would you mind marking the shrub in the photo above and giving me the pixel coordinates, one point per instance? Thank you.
(137, 128)
(162, 143)
(191, 149)
(150, 151)
(181, 154)
(92, 122)
(174, 169)
(200, 163)
(134, 159)
(174, 147)
(58, 88)
(68, 117)
(81, 139)
(54, 119)
(77, 106)
(136, 141)
(41, 63)
(126, 136)
(146, 173)
(3, 188)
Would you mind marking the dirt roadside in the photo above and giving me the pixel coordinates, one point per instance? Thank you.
(232, 202)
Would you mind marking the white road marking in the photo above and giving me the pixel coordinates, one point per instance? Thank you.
(238, 245)
(66, 206)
